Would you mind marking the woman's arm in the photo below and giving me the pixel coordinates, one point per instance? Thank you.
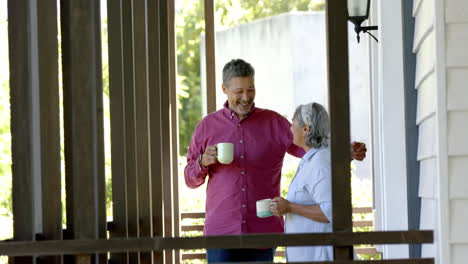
(281, 206)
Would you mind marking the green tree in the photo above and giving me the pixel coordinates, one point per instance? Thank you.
(189, 27)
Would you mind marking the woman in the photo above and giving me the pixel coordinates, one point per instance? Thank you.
(308, 204)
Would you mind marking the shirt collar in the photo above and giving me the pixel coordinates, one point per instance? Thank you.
(311, 153)
(230, 114)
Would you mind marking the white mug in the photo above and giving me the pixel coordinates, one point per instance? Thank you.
(225, 152)
(263, 208)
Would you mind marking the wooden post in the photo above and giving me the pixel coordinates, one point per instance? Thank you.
(129, 116)
(117, 111)
(49, 123)
(210, 52)
(35, 129)
(84, 141)
(165, 125)
(174, 124)
(140, 69)
(338, 93)
(154, 79)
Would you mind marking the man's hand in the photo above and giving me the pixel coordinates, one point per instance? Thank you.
(358, 151)
(210, 156)
(280, 206)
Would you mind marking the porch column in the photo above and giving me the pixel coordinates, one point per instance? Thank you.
(338, 94)
(83, 113)
(33, 49)
(210, 57)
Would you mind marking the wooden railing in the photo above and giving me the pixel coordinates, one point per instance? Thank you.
(199, 217)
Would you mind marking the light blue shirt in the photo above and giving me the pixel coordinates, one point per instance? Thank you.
(311, 186)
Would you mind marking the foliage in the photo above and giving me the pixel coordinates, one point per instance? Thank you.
(189, 28)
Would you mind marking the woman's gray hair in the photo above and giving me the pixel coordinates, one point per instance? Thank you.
(315, 116)
(236, 68)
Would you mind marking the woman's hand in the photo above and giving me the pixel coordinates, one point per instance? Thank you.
(280, 206)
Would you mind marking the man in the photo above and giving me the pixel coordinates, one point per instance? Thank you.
(261, 139)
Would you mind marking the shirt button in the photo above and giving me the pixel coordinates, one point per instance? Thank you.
(243, 189)
(243, 221)
(241, 141)
(242, 172)
(242, 156)
(243, 205)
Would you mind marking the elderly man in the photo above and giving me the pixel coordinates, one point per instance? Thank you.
(261, 139)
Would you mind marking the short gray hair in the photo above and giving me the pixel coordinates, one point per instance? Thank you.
(236, 68)
(315, 116)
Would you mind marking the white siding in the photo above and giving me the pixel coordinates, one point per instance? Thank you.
(426, 85)
(457, 41)
(428, 222)
(440, 46)
(416, 7)
(456, 11)
(424, 23)
(458, 133)
(458, 175)
(458, 221)
(457, 88)
(427, 179)
(425, 59)
(426, 99)
(459, 254)
(426, 143)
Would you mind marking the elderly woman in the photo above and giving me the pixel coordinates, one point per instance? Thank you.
(308, 204)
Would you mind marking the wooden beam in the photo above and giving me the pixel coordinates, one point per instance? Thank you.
(140, 69)
(21, 90)
(117, 123)
(49, 123)
(130, 129)
(390, 261)
(35, 122)
(165, 125)
(338, 94)
(174, 124)
(83, 112)
(155, 123)
(84, 246)
(210, 56)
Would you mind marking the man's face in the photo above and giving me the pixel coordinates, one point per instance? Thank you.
(241, 95)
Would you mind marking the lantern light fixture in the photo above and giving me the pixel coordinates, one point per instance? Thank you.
(358, 12)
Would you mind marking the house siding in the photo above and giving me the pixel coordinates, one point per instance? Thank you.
(456, 23)
(425, 83)
(458, 175)
(436, 114)
(459, 253)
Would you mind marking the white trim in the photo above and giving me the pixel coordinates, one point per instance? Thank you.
(390, 159)
(443, 205)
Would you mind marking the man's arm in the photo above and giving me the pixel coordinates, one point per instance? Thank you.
(195, 174)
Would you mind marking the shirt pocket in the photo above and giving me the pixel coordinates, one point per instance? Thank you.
(302, 196)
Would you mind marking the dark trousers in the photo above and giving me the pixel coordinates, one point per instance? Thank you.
(240, 255)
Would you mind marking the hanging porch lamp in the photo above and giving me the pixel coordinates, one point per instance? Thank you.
(358, 12)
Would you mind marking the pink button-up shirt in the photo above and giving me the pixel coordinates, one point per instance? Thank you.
(260, 142)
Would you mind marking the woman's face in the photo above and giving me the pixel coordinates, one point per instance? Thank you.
(299, 133)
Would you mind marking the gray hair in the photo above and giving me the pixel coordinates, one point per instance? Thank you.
(236, 68)
(315, 116)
